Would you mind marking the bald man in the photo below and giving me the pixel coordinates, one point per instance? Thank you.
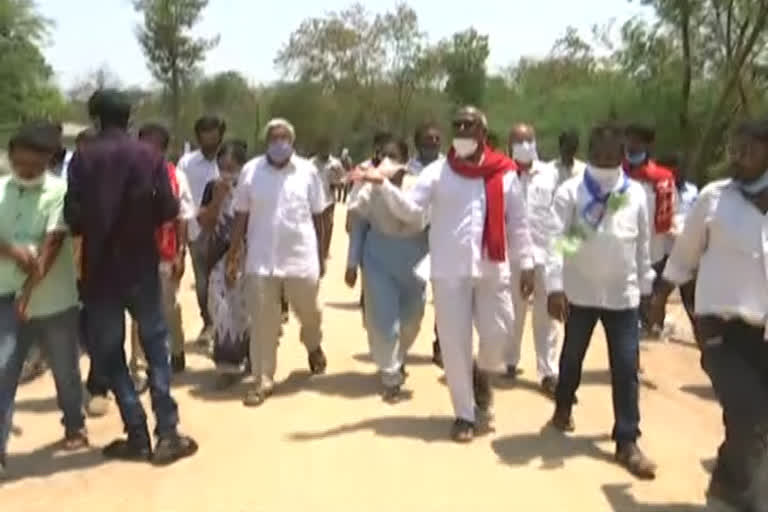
(479, 231)
(538, 181)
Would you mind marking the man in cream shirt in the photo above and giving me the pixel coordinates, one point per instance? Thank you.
(538, 181)
(280, 199)
(478, 230)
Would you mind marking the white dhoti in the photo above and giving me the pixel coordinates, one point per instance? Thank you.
(459, 302)
(544, 327)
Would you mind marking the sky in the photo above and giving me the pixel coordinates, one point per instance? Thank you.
(89, 34)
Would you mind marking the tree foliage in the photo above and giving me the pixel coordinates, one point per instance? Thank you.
(172, 53)
(25, 77)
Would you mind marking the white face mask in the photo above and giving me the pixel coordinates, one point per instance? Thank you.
(524, 152)
(604, 173)
(464, 147)
(25, 182)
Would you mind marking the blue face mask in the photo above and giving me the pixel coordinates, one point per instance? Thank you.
(755, 187)
(637, 158)
(279, 151)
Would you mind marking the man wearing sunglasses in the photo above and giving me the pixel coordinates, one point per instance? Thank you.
(478, 234)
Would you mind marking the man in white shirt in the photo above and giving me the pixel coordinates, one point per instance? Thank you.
(426, 140)
(567, 164)
(478, 232)
(281, 199)
(538, 181)
(331, 172)
(598, 267)
(725, 238)
(200, 167)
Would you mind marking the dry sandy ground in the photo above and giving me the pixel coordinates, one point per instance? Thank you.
(329, 443)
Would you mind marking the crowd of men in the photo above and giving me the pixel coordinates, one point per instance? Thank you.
(86, 237)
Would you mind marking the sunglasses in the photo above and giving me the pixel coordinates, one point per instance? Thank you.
(464, 125)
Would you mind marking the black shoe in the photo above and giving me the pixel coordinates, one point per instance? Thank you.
(462, 431)
(170, 449)
(437, 354)
(722, 499)
(179, 362)
(636, 462)
(549, 386)
(129, 450)
(481, 382)
(512, 372)
(317, 361)
(563, 420)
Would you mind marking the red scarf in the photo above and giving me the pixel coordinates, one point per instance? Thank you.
(165, 236)
(663, 181)
(492, 169)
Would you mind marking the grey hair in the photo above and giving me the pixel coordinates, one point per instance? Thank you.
(279, 122)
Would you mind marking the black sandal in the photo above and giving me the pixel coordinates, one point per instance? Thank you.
(173, 448)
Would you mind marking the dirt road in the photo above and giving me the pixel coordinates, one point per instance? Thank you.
(330, 443)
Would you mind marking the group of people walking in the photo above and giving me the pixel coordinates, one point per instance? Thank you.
(492, 232)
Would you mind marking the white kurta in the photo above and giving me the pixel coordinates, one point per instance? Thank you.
(539, 185)
(467, 285)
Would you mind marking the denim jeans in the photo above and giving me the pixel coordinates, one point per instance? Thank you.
(106, 327)
(622, 334)
(734, 356)
(58, 336)
(201, 268)
(96, 383)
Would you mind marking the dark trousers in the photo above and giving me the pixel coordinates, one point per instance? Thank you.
(198, 252)
(97, 382)
(105, 326)
(735, 357)
(622, 335)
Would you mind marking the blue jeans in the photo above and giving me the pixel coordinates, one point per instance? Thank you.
(106, 328)
(622, 334)
(59, 338)
(201, 268)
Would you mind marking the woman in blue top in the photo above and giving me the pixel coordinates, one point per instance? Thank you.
(389, 252)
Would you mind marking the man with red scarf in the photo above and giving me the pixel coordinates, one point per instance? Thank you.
(479, 233)
(660, 190)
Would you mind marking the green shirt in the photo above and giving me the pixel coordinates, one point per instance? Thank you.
(27, 215)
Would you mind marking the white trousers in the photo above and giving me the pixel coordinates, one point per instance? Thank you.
(459, 302)
(544, 327)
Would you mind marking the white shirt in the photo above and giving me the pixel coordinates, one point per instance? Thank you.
(281, 202)
(686, 197)
(566, 172)
(612, 267)
(726, 237)
(199, 171)
(539, 185)
(187, 210)
(330, 171)
(415, 166)
(456, 207)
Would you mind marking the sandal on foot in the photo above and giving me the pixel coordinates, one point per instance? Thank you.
(76, 441)
(317, 361)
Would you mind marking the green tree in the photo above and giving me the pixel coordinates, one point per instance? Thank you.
(463, 59)
(25, 77)
(172, 53)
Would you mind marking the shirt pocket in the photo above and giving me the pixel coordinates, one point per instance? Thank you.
(294, 208)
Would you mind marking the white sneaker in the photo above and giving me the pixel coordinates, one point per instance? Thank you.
(97, 406)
